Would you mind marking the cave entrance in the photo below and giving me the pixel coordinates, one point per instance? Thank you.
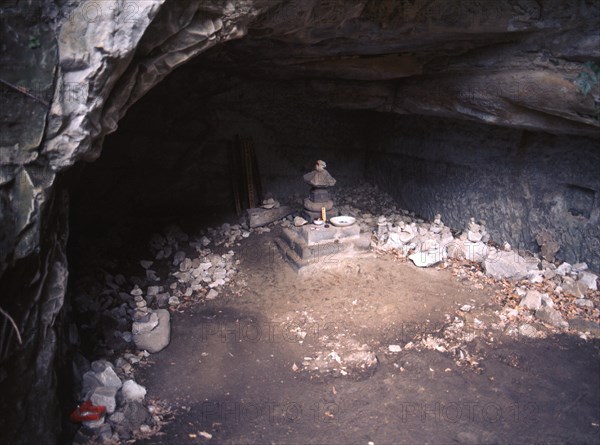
(258, 352)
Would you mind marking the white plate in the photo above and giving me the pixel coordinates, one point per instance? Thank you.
(342, 221)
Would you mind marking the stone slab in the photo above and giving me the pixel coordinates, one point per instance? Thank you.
(261, 217)
(326, 254)
(316, 234)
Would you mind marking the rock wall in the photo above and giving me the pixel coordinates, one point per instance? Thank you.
(519, 182)
(69, 72)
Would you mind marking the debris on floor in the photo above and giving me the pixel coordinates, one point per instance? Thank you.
(129, 313)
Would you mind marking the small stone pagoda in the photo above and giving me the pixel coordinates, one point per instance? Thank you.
(313, 245)
(320, 180)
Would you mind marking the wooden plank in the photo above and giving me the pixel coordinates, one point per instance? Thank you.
(257, 178)
(249, 174)
(234, 173)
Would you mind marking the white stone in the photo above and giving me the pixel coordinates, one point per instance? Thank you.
(108, 377)
(588, 279)
(532, 300)
(216, 283)
(131, 391)
(475, 251)
(582, 302)
(426, 259)
(474, 237)
(500, 264)
(173, 301)
(527, 330)
(563, 269)
(185, 265)
(394, 348)
(212, 294)
(105, 396)
(146, 264)
(153, 290)
(579, 267)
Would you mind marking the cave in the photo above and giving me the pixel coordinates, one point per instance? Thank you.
(153, 177)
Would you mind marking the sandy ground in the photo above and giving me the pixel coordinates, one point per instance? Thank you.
(241, 368)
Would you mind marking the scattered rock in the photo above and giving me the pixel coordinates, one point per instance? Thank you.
(548, 245)
(527, 330)
(499, 264)
(589, 280)
(105, 396)
(146, 264)
(426, 259)
(551, 316)
(583, 325)
(574, 288)
(582, 302)
(563, 269)
(135, 415)
(532, 300)
(131, 391)
(108, 377)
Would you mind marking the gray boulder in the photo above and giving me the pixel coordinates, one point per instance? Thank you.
(158, 338)
(551, 316)
(532, 300)
(105, 396)
(500, 264)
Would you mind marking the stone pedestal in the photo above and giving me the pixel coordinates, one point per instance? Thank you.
(313, 247)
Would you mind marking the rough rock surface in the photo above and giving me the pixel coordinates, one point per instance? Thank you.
(505, 265)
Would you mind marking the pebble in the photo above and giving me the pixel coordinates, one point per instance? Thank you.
(173, 301)
(146, 264)
(528, 330)
(212, 294)
(178, 257)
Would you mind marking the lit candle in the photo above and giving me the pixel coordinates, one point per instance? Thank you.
(323, 214)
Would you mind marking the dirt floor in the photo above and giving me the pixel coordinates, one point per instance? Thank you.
(337, 357)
